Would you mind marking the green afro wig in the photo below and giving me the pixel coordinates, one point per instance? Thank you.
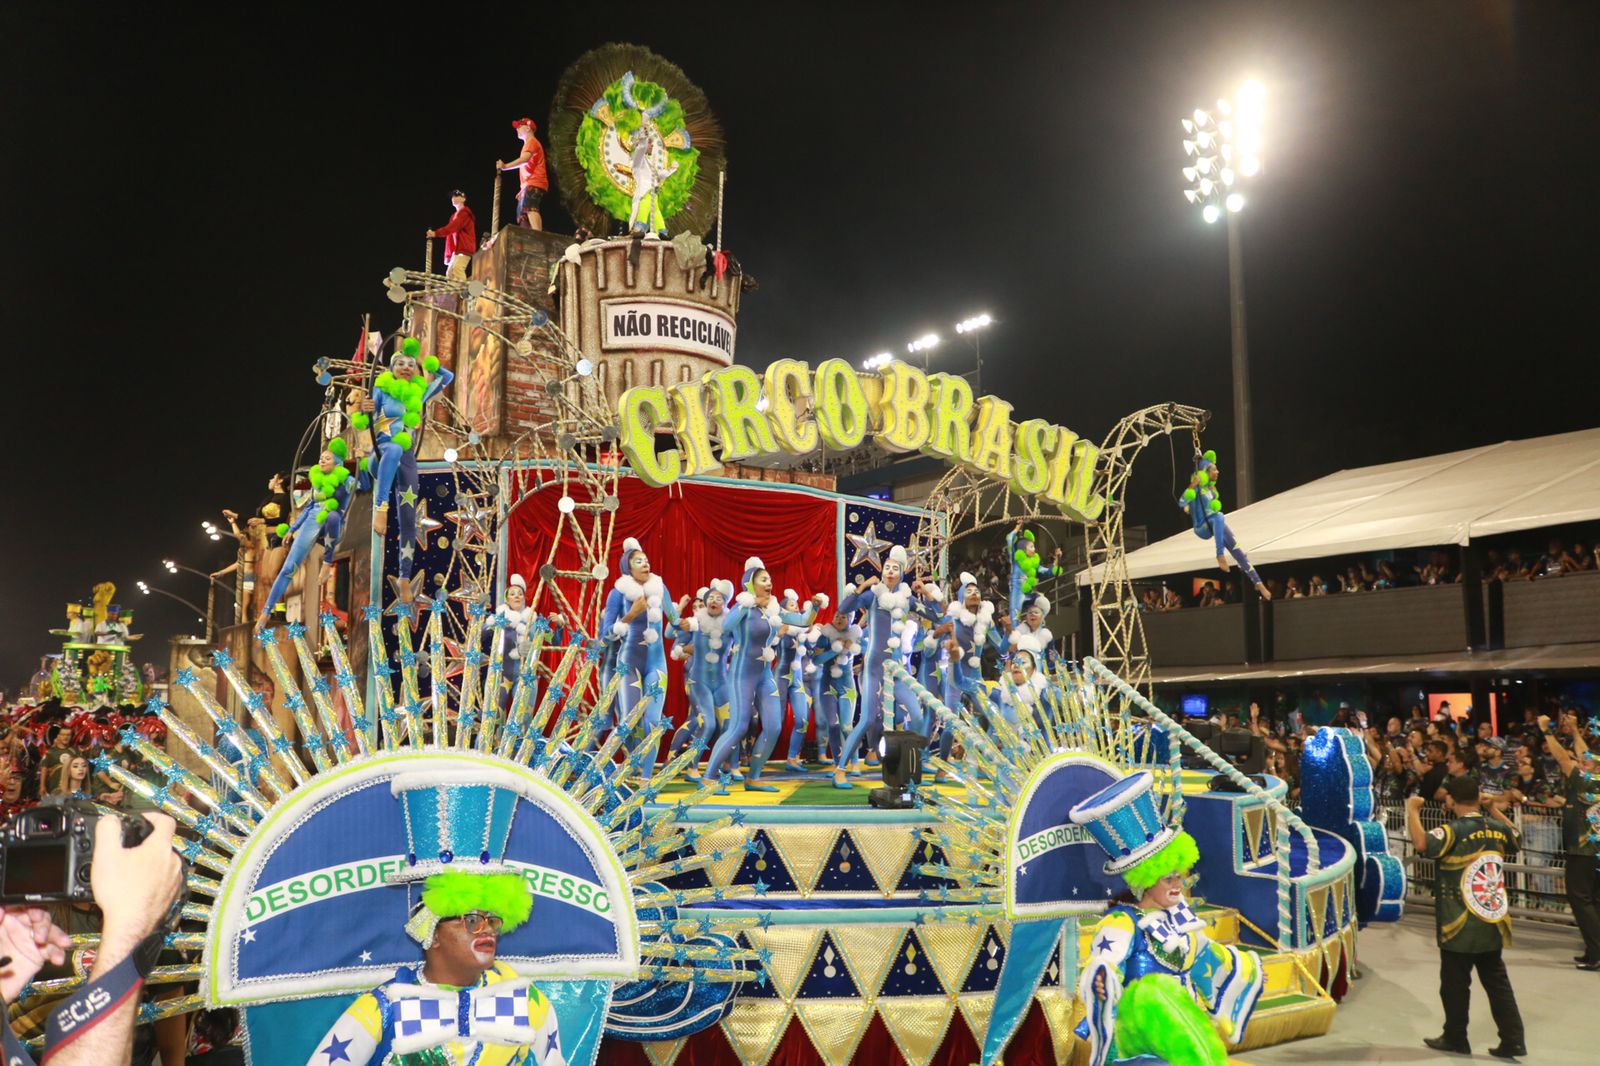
(451, 895)
(339, 449)
(1210, 456)
(1176, 856)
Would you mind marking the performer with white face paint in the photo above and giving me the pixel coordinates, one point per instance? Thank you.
(516, 619)
(889, 621)
(754, 626)
(637, 616)
(971, 629)
(705, 666)
(838, 647)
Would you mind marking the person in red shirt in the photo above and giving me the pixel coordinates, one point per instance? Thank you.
(460, 238)
(535, 183)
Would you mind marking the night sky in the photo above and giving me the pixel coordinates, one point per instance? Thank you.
(198, 209)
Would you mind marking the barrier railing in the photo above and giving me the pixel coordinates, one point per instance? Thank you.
(1286, 821)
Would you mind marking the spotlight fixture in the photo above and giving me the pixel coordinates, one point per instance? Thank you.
(900, 752)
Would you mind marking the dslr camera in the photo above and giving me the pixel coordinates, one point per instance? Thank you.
(45, 852)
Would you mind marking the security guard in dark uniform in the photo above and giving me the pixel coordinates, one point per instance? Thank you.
(1473, 914)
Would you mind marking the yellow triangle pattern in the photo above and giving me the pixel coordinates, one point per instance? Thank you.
(1253, 817)
(804, 849)
(977, 1010)
(951, 947)
(663, 1052)
(917, 1025)
(755, 1027)
(730, 842)
(886, 850)
(868, 950)
(835, 1026)
(793, 948)
(1058, 1014)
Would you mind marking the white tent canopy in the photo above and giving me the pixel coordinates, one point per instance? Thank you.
(1440, 499)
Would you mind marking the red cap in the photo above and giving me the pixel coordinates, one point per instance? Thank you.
(528, 122)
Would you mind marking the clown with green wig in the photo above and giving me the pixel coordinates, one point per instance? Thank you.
(459, 1006)
(1154, 983)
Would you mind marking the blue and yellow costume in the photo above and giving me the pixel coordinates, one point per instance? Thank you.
(399, 406)
(889, 630)
(320, 522)
(754, 630)
(641, 654)
(1154, 983)
(366, 1034)
(838, 644)
(1203, 504)
(704, 647)
(1027, 567)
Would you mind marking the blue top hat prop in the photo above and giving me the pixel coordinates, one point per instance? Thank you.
(1122, 819)
(456, 821)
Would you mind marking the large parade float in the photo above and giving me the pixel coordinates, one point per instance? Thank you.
(484, 475)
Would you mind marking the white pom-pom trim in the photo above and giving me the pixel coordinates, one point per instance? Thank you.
(651, 636)
(838, 645)
(712, 657)
(768, 654)
(619, 629)
(834, 671)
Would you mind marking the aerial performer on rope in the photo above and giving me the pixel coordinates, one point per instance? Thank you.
(887, 604)
(1027, 566)
(1203, 502)
(459, 1004)
(395, 412)
(754, 627)
(704, 650)
(639, 615)
(319, 524)
(1154, 983)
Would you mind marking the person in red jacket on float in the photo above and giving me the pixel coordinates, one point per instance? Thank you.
(460, 238)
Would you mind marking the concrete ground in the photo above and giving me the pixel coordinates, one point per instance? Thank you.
(1396, 1002)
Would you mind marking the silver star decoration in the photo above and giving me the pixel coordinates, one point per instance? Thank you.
(366, 956)
(869, 547)
(425, 525)
(249, 936)
(407, 553)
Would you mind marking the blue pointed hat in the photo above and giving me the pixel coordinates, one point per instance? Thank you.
(457, 821)
(1122, 819)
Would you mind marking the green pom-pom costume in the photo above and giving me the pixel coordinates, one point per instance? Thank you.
(1154, 983)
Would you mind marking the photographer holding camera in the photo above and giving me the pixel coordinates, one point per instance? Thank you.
(135, 885)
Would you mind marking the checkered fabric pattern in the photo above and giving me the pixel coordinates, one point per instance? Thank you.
(423, 1015)
(492, 1007)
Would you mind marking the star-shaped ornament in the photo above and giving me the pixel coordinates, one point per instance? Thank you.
(869, 547)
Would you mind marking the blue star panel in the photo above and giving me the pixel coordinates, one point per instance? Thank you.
(984, 975)
(764, 864)
(889, 526)
(828, 977)
(846, 870)
(911, 973)
(435, 557)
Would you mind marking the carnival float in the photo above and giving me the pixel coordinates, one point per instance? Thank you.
(507, 485)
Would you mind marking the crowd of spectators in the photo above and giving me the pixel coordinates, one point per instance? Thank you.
(1373, 573)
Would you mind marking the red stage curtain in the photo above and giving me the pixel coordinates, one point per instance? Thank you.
(1030, 1046)
(694, 532)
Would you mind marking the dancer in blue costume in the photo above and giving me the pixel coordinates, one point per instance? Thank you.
(754, 626)
(1027, 565)
(516, 634)
(968, 629)
(396, 408)
(705, 643)
(792, 681)
(319, 524)
(1203, 502)
(890, 627)
(1030, 628)
(637, 617)
(838, 646)
(932, 663)
(1154, 983)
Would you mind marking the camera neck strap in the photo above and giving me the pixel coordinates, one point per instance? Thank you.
(91, 1004)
